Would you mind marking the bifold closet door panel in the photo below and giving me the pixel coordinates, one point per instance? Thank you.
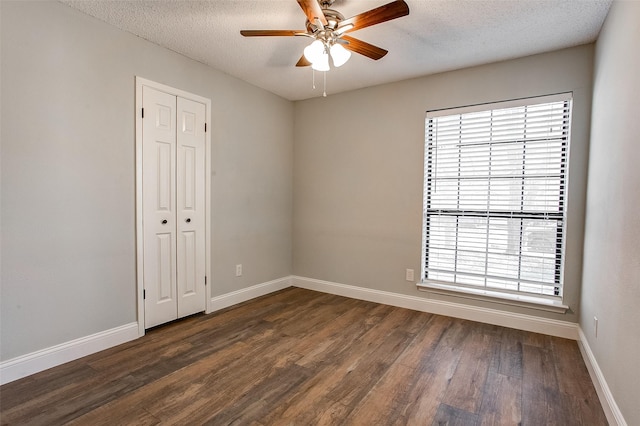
(159, 206)
(190, 191)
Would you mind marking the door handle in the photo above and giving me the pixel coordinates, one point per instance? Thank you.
(188, 220)
(164, 222)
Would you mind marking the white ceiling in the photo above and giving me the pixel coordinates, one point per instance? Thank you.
(437, 35)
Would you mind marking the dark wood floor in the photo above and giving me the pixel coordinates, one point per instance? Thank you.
(304, 358)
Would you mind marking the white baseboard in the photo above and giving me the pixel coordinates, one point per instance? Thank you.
(239, 296)
(35, 362)
(565, 329)
(611, 410)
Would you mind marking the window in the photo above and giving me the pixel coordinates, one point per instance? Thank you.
(494, 196)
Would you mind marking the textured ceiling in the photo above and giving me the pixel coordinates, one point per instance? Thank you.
(438, 35)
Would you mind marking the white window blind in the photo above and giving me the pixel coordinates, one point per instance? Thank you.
(494, 195)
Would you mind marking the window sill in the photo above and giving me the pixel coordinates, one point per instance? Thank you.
(526, 301)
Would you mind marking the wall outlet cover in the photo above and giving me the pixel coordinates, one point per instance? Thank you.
(409, 275)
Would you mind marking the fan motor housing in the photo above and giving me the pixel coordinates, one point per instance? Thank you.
(333, 21)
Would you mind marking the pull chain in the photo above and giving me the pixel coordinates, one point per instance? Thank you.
(325, 85)
(313, 81)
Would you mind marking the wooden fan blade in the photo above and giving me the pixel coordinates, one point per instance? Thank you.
(387, 12)
(312, 9)
(302, 62)
(364, 48)
(269, 33)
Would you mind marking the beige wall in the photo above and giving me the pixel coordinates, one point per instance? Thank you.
(68, 174)
(358, 170)
(611, 283)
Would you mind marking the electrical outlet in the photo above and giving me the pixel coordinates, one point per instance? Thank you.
(408, 275)
(239, 270)
(595, 326)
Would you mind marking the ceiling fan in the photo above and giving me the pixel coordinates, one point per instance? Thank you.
(329, 30)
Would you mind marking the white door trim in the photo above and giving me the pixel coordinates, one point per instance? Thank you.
(139, 189)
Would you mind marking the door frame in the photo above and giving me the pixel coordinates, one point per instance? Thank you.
(139, 191)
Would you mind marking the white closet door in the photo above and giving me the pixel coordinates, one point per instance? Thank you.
(190, 207)
(159, 206)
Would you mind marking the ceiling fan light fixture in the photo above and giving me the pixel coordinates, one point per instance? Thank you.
(321, 63)
(314, 51)
(340, 55)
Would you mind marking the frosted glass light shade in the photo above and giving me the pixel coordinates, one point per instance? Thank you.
(339, 54)
(314, 51)
(322, 63)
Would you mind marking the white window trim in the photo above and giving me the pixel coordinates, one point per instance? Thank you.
(539, 302)
(521, 300)
(502, 104)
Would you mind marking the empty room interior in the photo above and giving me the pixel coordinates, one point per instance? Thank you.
(196, 229)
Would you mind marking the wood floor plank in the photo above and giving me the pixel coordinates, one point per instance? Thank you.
(510, 356)
(465, 389)
(62, 410)
(329, 341)
(299, 357)
(573, 376)
(40, 387)
(542, 401)
(224, 386)
(322, 413)
(502, 400)
(169, 389)
(385, 402)
(451, 416)
(388, 400)
(421, 348)
(539, 366)
(575, 382)
(434, 372)
(350, 361)
(132, 416)
(369, 369)
(265, 394)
